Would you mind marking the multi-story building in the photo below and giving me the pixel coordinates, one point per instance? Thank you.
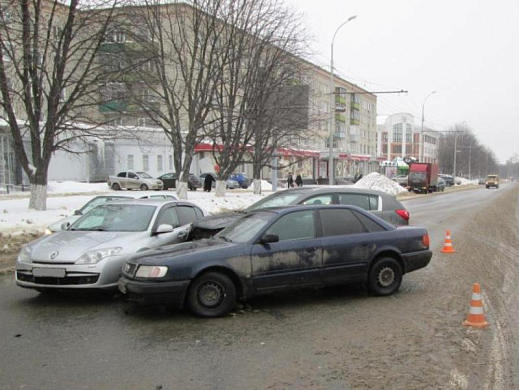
(400, 137)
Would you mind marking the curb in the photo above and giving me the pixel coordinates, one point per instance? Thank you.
(5, 271)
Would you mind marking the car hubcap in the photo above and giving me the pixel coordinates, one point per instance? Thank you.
(386, 277)
(210, 294)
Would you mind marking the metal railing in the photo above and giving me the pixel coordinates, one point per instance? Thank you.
(6, 189)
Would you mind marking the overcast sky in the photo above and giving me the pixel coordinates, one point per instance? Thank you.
(466, 50)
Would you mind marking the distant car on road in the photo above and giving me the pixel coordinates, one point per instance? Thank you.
(481, 181)
(449, 180)
(134, 181)
(242, 179)
(274, 250)
(379, 203)
(401, 180)
(170, 181)
(90, 253)
(492, 181)
(441, 185)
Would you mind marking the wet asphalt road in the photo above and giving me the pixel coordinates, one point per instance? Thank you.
(85, 341)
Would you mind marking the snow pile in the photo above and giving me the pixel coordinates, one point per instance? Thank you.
(62, 187)
(378, 182)
(465, 182)
(266, 186)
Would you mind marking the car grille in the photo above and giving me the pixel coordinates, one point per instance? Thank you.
(66, 281)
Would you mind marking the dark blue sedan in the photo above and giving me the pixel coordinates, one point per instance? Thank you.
(278, 249)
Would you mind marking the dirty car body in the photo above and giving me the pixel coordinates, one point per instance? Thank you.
(90, 253)
(277, 249)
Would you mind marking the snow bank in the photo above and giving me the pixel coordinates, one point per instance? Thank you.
(266, 186)
(62, 187)
(378, 182)
(465, 182)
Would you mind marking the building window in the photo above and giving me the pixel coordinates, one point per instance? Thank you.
(145, 162)
(397, 148)
(129, 162)
(141, 122)
(170, 158)
(119, 36)
(160, 165)
(397, 132)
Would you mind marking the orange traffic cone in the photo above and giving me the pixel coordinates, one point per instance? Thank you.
(476, 316)
(447, 247)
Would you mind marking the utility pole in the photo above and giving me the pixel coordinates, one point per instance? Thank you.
(455, 153)
(422, 152)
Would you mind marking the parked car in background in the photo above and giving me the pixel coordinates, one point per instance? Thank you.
(449, 180)
(160, 196)
(242, 179)
(481, 181)
(94, 202)
(231, 184)
(441, 185)
(134, 181)
(170, 181)
(274, 250)
(492, 181)
(91, 251)
(379, 203)
(401, 180)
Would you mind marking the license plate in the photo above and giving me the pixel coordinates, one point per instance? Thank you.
(49, 272)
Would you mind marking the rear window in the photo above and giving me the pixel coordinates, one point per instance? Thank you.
(371, 225)
(122, 174)
(366, 202)
(340, 222)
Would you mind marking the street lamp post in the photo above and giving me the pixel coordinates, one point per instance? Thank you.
(332, 107)
(422, 149)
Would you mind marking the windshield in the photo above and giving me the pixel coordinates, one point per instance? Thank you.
(492, 177)
(144, 175)
(283, 198)
(247, 228)
(116, 218)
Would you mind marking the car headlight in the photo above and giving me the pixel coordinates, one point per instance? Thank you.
(48, 231)
(146, 271)
(25, 254)
(95, 256)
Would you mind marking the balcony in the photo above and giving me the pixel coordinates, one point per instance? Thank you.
(354, 138)
(354, 121)
(339, 134)
(340, 118)
(113, 106)
(355, 105)
(340, 100)
(120, 47)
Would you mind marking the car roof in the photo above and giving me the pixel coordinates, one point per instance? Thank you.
(335, 189)
(152, 202)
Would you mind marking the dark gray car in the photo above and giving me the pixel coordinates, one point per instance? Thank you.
(379, 203)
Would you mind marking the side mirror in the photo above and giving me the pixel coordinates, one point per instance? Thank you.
(268, 238)
(78, 212)
(164, 228)
(65, 226)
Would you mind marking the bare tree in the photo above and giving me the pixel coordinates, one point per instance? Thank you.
(262, 42)
(48, 78)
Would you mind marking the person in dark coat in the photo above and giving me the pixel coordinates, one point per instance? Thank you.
(208, 182)
(290, 181)
(299, 181)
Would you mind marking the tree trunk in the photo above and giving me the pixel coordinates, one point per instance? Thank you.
(182, 189)
(220, 188)
(257, 186)
(38, 200)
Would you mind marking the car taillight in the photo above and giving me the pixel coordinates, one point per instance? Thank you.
(404, 214)
(425, 240)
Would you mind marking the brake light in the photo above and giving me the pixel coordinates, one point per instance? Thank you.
(404, 214)
(425, 240)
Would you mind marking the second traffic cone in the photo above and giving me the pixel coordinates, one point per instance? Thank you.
(476, 316)
(447, 247)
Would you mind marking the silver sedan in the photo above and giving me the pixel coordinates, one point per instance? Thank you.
(91, 251)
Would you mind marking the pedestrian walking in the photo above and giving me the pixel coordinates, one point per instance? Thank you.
(208, 182)
(299, 180)
(290, 181)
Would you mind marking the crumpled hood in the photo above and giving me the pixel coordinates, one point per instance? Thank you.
(70, 245)
(218, 221)
(183, 250)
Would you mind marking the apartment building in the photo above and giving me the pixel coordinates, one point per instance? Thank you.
(400, 137)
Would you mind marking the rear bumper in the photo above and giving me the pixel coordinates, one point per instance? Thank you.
(171, 293)
(416, 260)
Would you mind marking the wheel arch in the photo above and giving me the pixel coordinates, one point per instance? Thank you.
(240, 289)
(393, 253)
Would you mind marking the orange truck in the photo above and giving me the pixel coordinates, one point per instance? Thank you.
(423, 177)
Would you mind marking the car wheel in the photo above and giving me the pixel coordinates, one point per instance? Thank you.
(212, 295)
(144, 187)
(116, 187)
(385, 277)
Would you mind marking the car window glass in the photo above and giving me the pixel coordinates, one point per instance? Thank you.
(373, 202)
(371, 225)
(358, 200)
(144, 175)
(168, 217)
(93, 203)
(132, 175)
(186, 214)
(320, 199)
(117, 218)
(294, 226)
(245, 229)
(157, 197)
(199, 213)
(122, 174)
(167, 176)
(282, 198)
(337, 222)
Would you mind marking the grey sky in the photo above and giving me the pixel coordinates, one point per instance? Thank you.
(466, 50)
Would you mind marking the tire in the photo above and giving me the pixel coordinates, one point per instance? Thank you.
(116, 187)
(144, 187)
(212, 294)
(385, 277)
